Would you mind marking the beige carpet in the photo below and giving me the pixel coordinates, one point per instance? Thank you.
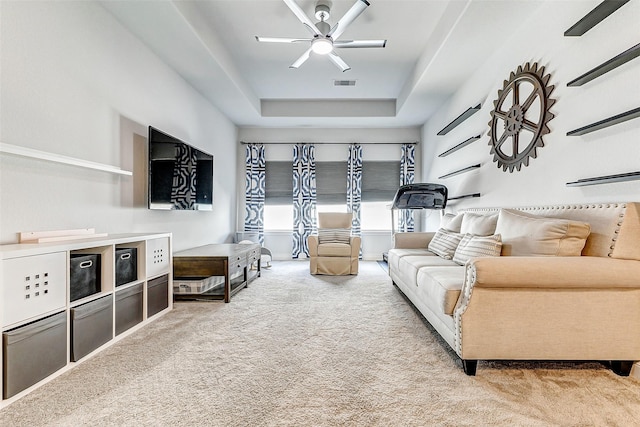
(297, 350)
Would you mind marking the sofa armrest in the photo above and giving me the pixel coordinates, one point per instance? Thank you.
(548, 308)
(412, 240)
(355, 242)
(554, 272)
(312, 241)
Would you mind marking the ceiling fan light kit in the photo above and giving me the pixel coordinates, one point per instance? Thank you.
(321, 45)
(324, 39)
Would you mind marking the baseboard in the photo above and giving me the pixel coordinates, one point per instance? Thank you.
(283, 257)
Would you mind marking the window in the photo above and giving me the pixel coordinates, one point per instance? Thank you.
(278, 217)
(278, 211)
(380, 181)
(331, 183)
(375, 216)
(278, 183)
(331, 186)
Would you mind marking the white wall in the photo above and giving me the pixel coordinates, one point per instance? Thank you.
(382, 144)
(75, 82)
(563, 159)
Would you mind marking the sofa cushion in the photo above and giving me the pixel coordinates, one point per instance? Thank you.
(333, 235)
(440, 287)
(334, 249)
(477, 246)
(478, 224)
(444, 243)
(531, 235)
(394, 256)
(409, 266)
(451, 222)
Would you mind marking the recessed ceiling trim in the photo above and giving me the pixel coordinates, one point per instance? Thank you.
(328, 107)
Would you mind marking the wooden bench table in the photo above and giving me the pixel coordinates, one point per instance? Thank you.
(231, 260)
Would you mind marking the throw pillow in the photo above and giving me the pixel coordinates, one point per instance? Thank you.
(451, 222)
(477, 246)
(444, 243)
(530, 235)
(334, 235)
(479, 224)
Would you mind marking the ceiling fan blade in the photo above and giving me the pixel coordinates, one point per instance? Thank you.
(280, 40)
(301, 60)
(338, 61)
(303, 17)
(348, 18)
(359, 43)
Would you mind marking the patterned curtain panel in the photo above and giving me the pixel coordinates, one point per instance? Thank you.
(304, 197)
(183, 188)
(255, 190)
(354, 185)
(407, 176)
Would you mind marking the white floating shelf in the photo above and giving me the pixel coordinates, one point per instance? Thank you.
(57, 158)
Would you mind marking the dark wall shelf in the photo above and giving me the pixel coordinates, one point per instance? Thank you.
(466, 196)
(459, 146)
(467, 169)
(461, 118)
(619, 118)
(605, 67)
(622, 177)
(593, 18)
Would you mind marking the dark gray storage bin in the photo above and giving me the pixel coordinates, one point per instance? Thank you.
(157, 295)
(91, 326)
(128, 308)
(85, 275)
(33, 352)
(126, 265)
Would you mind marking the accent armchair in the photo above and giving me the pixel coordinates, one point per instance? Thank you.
(334, 251)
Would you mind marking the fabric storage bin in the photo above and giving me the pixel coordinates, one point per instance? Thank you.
(197, 286)
(91, 326)
(128, 308)
(84, 279)
(126, 265)
(157, 295)
(33, 352)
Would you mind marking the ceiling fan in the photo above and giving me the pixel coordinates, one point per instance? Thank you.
(324, 39)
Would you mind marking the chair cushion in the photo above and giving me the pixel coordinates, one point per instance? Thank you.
(334, 249)
(333, 235)
(531, 235)
(477, 246)
(444, 243)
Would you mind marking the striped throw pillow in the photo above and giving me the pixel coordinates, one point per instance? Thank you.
(334, 235)
(444, 243)
(477, 246)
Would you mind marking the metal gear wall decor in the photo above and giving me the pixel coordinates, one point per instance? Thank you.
(516, 127)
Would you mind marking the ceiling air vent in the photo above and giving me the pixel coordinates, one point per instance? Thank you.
(344, 82)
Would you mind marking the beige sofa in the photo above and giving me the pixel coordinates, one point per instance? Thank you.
(553, 307)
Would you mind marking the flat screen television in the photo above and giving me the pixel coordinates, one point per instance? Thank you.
(180, 176)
